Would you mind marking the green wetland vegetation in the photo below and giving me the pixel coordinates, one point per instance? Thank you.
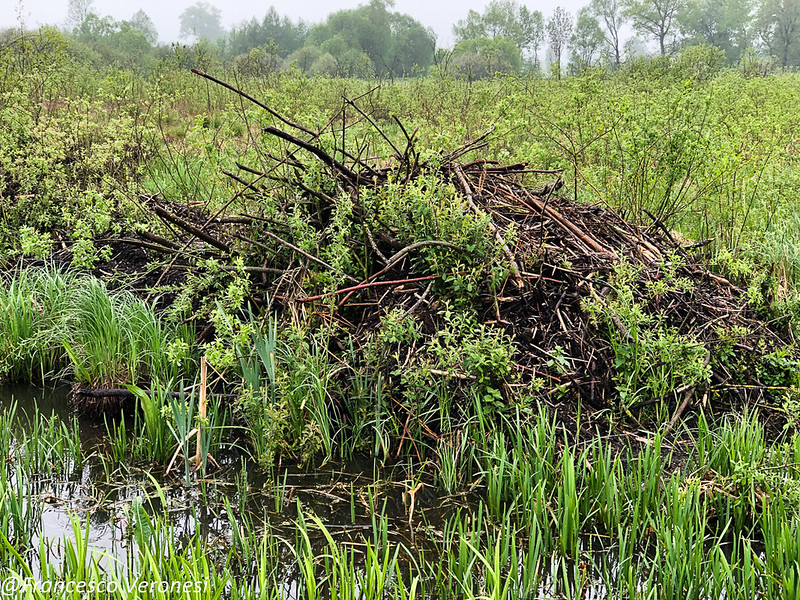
(355, 367)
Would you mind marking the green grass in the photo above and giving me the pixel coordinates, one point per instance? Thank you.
(33, 304)
(724, 525)
(53, 321)
(115, 338)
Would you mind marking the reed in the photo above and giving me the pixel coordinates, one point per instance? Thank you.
(154, 439)
(182, 426)
(113, 339)
(569, 517)
(20, 513)
(32, 307)
(47, 445)
(118, 446)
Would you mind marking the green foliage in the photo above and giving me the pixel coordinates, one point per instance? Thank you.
(286, 35)
(63, 159)
(51, 319)
(700, 63)
(779, 369)
(428, 209)
(154, 426)
(34, 243)
(482, 57)
(656, 363)
(651, 358)
(461, 348)
(287, 388)
(125, 43)
(180, 417)
(371, 41)
(507, 20)
(227, 315)
(586, 42)
(263, 411)
(724, 24)
(397, 328)
(654, 19)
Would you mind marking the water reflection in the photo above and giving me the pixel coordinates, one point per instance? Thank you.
(97, 492)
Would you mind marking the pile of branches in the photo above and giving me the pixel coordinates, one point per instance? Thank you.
(559, 299)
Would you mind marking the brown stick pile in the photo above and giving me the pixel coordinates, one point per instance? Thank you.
(562, 255)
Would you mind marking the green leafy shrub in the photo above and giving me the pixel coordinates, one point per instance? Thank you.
(651, 358)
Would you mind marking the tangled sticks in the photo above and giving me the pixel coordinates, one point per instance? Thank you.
(592, 279)
(599, 309)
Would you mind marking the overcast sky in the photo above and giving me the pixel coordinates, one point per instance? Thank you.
(438, 14)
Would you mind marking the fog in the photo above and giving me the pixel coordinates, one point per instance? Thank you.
(440, 16)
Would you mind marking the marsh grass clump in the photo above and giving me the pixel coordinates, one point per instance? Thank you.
(289, 386)
(53, 321)
(115, 338)
(33, 305)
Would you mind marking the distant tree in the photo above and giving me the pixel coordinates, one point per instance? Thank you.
(260, 61)
(302, 58)
(609, 13)
(141, 21)
(130, 40)
(392, 42)
(338, 58)
(586, 42)
(94, 28)
(778, 26)
(325, 65)
(725, 24)
(413, 45)
(482, 57)
(507, 19)
(348, 60)
(78, 10)
(559, 30)
(286, 35)
(117, 42)
(201, 21)
(655, 18)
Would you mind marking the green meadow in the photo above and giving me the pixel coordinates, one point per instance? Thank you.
(236, 374)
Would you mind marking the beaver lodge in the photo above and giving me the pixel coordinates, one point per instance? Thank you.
(422, 271)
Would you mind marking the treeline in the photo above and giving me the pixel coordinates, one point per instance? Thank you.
(369, 41)
(375, 41)
(508, 36)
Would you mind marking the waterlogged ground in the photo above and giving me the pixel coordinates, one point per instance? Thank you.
(238, 495)
(542, 519)
(345, 497)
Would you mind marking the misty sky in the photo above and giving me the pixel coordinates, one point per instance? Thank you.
(440, 15)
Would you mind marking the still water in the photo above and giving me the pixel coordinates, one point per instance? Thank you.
(100, 493)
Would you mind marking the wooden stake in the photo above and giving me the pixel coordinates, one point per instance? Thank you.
(202, 411)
